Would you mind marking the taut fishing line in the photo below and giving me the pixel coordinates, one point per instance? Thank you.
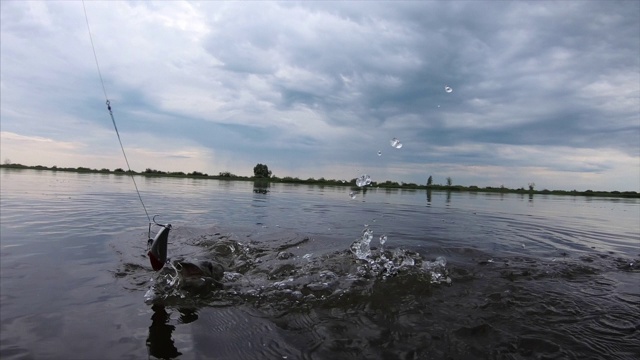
(158, 245)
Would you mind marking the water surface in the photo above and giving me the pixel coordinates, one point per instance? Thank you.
(530, 277)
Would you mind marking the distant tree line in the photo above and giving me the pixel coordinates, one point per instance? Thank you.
(261, 172)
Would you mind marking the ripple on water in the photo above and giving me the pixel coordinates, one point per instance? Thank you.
(235, 332)
(616, 324)
(628, 298)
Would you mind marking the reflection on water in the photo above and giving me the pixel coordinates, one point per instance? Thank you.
(261, 186)
(160, 343)
(550, 277)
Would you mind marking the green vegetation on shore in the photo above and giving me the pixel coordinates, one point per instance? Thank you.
(263, 174)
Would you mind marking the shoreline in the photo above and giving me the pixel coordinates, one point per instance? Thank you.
(323, 182)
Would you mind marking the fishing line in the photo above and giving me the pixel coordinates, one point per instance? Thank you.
(113, 120)
(157, 246)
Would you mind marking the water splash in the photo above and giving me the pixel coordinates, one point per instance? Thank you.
(395, 143)
(407, 261)
(287, 274)
(360, 248)
(352, 195)
(363, 180)
(438, 270)
(383, 239)
(179, 278)
(384, 264)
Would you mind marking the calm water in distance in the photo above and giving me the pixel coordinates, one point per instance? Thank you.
(532, 277)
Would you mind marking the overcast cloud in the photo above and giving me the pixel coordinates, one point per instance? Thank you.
(544, 92)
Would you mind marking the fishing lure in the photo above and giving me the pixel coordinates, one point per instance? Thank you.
(158, 247)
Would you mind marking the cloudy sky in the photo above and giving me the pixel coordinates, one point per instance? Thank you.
(543, 92)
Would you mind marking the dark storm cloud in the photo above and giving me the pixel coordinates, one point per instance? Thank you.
(388, 61)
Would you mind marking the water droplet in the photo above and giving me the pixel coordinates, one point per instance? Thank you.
(395, 143)
(363, 180)
(407, 261)
(352, 195)
(360, 248)
(437, 269)
(448, 89)
(383, 239)
(379, 153)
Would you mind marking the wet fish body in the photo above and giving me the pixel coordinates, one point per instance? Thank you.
(197, 274)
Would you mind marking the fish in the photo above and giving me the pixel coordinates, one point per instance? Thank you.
(197, 274)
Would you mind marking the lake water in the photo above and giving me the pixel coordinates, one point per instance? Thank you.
(461, 275)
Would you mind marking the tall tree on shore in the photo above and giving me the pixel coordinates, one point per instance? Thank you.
(449, 181)
(430, 180)
(261, 171)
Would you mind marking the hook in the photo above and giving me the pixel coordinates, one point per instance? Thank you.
(155, 222)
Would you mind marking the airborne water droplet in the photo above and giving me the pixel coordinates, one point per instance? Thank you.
(360, 248)
(448, 89)
(395, 143)
(363, 180)
(352, 195)
(379, 153)
(383, 239)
